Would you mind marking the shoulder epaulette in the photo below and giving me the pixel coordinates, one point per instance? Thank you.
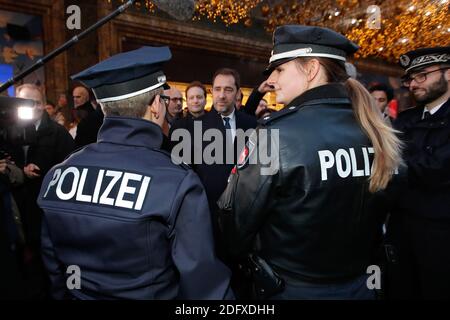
(278, 114)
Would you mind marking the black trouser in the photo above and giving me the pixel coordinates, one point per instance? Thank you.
(423, 251)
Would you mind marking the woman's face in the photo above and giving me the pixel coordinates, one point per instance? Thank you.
(196, 100)
(289, 82)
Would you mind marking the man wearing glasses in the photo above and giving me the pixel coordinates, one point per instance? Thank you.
(420, 224)
(175, 107)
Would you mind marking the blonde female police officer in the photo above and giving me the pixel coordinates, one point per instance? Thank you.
(119, 214)
(314, 220)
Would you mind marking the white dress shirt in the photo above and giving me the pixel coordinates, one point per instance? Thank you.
(432, 111)
(232, 117)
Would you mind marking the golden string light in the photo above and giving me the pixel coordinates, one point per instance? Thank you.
(383, 28)
(146, 5)
(229, 11)
(420, 24)
(385, 31)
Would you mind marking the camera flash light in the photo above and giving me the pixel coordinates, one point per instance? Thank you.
(25, 113)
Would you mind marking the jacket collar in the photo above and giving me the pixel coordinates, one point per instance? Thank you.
(87, 106)
(218, 118)
(416, 115)
(327, 92)
(443, 111)
(189, 116)
(130, 131)
(45, 126)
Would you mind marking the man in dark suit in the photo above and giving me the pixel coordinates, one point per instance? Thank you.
(90, 119)
(228, 119)
(223, 115)
(214, 172)
(53, 143)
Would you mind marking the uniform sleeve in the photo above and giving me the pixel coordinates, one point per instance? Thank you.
(248, 193)
(431, 165)
(57, 276)
(431, 168)
(253, 102)
(202, 274)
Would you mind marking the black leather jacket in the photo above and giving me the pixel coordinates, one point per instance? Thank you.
(313, 218)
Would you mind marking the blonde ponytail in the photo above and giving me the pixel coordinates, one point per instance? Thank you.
(386, 145)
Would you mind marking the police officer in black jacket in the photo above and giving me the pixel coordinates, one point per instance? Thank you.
(311, 219)
(420, 224)
(119, 214)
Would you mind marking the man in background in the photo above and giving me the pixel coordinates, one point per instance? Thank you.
(382, 94)
(89, 119)
(419, 227)
(53, 143)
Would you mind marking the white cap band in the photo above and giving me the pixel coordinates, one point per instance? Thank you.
(130, 95)
(304, 52)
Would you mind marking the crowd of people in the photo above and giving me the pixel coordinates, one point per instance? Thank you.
(355, 183)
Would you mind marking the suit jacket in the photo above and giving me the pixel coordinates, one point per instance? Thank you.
(53, 144)
(213, 176)
(89, 125)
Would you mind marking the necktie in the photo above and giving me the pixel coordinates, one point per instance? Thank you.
(227, 122)
(426, 115)
(228, 136)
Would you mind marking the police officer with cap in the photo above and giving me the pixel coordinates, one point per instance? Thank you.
(420, 225)
(119, 213)
(314, 221)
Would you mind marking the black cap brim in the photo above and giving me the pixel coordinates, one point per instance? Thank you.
(275, 64)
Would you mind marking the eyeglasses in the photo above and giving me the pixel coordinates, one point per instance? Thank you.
(419, 78)
(166, 99)
(175, 100)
